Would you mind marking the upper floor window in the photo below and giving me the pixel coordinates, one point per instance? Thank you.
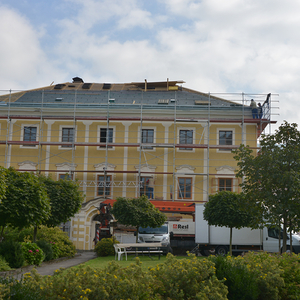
(185, 188)
(225, 137)
(186, 137)
(225, 184)
(104, 185)
(106, 137)
(30, 135)
(67, 136)
(147, 137)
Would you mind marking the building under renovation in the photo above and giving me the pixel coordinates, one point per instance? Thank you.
(160, 139)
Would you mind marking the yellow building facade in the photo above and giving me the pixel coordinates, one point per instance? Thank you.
(124, 140)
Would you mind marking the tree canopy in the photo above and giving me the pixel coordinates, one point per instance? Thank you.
(26, 202)
(65, 199)
(271, 179)
(227, 209)
(137, 212)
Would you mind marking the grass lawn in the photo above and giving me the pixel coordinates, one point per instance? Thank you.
(101, 262)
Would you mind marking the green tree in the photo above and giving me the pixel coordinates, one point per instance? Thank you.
(65, 199)
(271, 179)
(25, 203)
(227, 209)
(137, 212)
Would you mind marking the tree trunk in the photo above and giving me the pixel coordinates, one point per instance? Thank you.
(284, 235)
(291, 239)
(34, 233)
(137, 234)
(1, 233)
(230, 246)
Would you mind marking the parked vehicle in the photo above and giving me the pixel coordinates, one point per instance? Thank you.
(177, 234)
(214, 238)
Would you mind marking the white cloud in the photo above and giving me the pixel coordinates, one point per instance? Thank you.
(23, 63)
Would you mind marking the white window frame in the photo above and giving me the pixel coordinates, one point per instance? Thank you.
(140, 137)
(178, 138)
(98, 136)
(22, 135)
(218, 139)
(60, 136)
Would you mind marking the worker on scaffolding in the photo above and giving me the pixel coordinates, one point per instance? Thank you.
(254, 109)
(150, 187)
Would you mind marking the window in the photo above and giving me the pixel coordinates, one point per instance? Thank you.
(185, 188)
(29, 135)
(67, 136)
(103, 136)
(147, 137)
(186, 137)
(65, 176)
(144, 187)
(104, 185)
(225, 184)
(225, 137)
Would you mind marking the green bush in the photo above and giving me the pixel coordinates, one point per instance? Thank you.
(116, 282)
(241, 282)
(33, 254)
(55, 236)
(47, 249)
(12, 253)
(4, 266)
(187, 279)
(105, 247)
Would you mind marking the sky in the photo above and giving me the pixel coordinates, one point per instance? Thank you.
(215, 46)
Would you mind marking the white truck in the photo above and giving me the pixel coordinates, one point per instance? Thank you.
(214, 238)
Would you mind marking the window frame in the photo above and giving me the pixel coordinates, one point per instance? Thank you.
(145, 186)
(23, 135)
(225, 186)
(66, 147)
(109, 194)
(113, 128)
(140, 136)
(218, 139)
(179, 138)
(179, 193)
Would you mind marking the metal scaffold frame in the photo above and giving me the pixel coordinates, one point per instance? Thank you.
(40, 113)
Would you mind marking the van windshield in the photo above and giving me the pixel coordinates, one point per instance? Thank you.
(149, 230)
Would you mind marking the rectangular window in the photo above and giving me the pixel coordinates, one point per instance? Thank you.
(225, 184)
(103, 136)
(144, 184)
(30, 135)
(147, 137)
(185, 188)
(186, 137)
(65, 176)
(104, 185)
(225, 137)
(67, 136)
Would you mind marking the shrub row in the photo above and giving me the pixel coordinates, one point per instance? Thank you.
(17, 248)
(254, 276)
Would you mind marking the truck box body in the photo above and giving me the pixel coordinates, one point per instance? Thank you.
(215, 235)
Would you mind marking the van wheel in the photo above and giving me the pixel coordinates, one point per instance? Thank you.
(288, 249)
(221, 250)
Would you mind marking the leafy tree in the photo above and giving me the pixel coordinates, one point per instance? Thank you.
(65, 199)
(25, 203)
(137, 212)
(272, 178)
(227, 209)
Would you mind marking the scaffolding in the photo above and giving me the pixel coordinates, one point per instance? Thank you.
(124, 172)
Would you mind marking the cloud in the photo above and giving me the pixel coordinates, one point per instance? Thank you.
(23, 62)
